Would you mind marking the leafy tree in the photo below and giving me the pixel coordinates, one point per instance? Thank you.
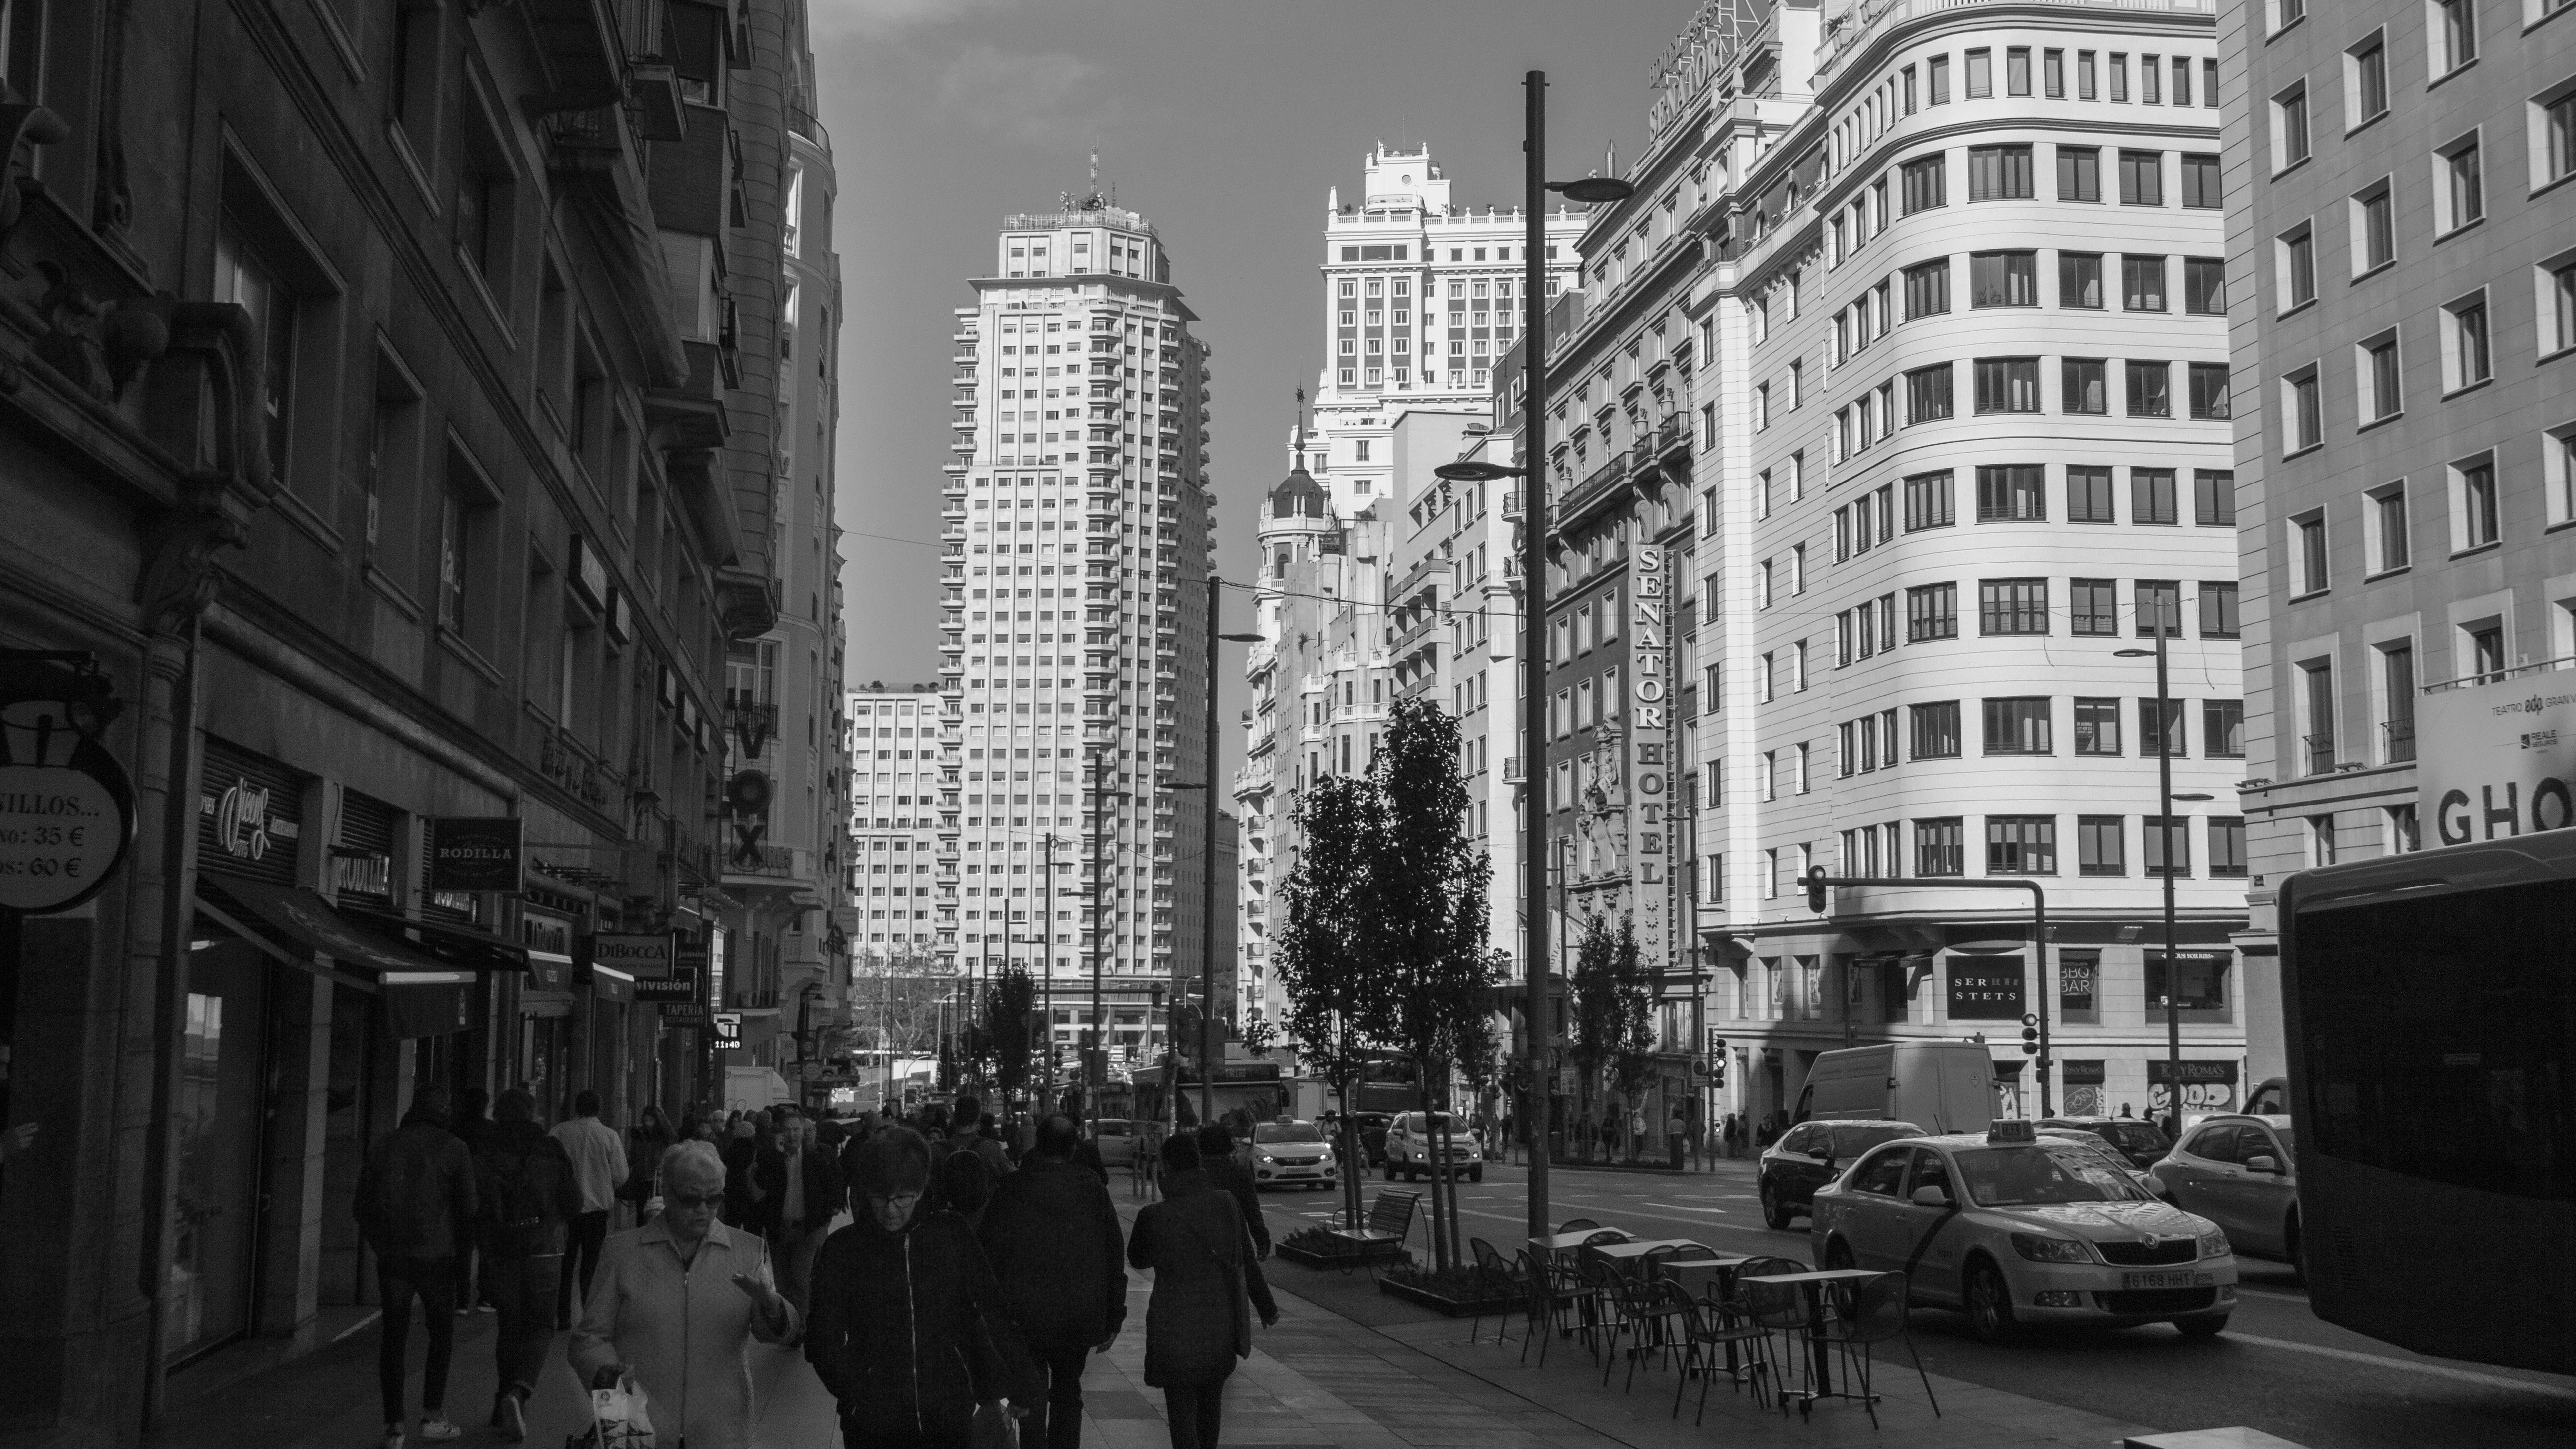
(1006, 1027)
(1259, 1036)
(1613, 1012)
(1321, 955)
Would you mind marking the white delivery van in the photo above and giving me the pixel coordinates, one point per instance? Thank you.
(1939, 1086)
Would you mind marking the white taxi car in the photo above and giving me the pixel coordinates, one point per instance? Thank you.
(1290, 1153)
(2018, 1229)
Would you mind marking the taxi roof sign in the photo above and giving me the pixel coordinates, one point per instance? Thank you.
(2016, 1130)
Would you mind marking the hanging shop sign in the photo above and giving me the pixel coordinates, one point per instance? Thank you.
(476, 853)
(2160, 1072)
(679, 989)
(729, 1027)
(643, 956)
(1650, 772)
(66, 807)
(1986, 988)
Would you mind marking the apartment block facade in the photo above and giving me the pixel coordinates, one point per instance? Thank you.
(894, 752)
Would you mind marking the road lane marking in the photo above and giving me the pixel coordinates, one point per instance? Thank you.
(1685, 1207)
(2435, 1370)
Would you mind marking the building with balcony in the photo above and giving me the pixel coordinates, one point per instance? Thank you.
(1077, 537)
(2403, 244)
(1965, 386)
(374, 515)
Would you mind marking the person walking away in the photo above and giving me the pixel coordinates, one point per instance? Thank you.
(1674, 1131)
(741, 1154)
(664, 1311)
(1198, 1322)
(801, 1186)
(599, 1165)
(473, 1126)
(1636, 1131)
(1086, 1154)
(1051, 1234)
(646, 1141)
(415, 1191)
(1216, 1159)
(967, 1131)
(899, 1333)
(524, 1181)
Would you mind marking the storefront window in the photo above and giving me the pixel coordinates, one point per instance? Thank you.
(2201, 979)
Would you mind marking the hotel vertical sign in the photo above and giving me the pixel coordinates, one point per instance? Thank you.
(1650, 751)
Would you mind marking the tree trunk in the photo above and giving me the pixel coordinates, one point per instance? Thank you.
(1439, 1164)
(1354, 1157)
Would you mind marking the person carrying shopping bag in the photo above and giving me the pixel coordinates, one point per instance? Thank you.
(1205, 1269)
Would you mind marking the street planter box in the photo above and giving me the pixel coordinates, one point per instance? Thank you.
(1486, 1299)
(1340, 1253)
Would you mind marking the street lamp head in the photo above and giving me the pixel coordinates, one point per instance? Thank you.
(1241, 638)
(2180, 795)
(1473, 471)
(2133, 654)
(1594, 189)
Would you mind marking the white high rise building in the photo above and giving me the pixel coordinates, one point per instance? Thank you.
(1421, 297)
(895, 765)
(1077, 532)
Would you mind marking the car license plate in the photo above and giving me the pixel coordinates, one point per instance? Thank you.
(2135, 1281)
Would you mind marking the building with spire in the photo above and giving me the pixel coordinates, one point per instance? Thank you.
(1076, 532)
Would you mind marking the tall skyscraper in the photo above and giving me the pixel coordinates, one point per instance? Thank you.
(1077, 533)
(893, 829)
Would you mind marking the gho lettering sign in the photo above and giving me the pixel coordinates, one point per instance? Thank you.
(1650, 712)
(2494, 761)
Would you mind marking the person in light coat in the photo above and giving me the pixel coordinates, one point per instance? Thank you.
(675, 1304)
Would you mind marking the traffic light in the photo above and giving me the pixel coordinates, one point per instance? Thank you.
(2030, 1034)
(1816, 890)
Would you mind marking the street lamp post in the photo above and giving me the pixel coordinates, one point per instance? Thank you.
(2164, 829)
(1533, 473)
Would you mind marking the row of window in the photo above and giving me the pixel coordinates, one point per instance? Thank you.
(2021, 606)
(2016, 845)
(2014, 492)
(2021, 725)
(2005, 385)
(2464, 345)
(2093, 76)
(2550, 116)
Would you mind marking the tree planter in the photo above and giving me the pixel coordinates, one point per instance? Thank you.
(1313, 1248)
(1458, 1295)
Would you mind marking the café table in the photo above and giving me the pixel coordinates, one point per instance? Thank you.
(1561, 1246)
(1708, 1278)
(1812, 1286)
(1625, 1257)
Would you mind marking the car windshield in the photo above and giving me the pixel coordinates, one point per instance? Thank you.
(1109, 1127)
(2133, 1136)
(2041, 1173)
(1851, 1142)
(1439, 1121)
(1285, 1132)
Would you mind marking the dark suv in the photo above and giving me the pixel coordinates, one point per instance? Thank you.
(1812, 1154)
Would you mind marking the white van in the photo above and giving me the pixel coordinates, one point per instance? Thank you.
(1939, 1086)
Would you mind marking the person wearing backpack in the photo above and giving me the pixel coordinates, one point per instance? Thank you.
(525, 1181)
(414, 1195)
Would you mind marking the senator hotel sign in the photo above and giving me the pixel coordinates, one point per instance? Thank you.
(1650, 748)
(2494, 761)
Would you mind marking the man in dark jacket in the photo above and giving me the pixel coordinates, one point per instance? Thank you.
(1216, 1159)
(414, 1197)
(800, 1194)
(899, 1333)
(524, 1181)
(473, 1125)
(1052, 1235)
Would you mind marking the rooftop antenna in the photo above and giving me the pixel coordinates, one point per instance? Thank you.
(1301, 429)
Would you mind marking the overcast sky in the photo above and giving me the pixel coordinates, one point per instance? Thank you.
(1225, 122)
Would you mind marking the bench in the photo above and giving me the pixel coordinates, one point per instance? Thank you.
(1382, 1236)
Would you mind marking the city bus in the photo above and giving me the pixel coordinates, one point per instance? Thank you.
(2429, 1005)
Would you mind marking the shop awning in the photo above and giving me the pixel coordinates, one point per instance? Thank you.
(422, 996)
(461, 947)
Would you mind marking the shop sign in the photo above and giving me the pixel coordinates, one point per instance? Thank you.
(1650, 750)
(680, 988)
(2496, 760)
(66, 810)
(644, 956)
(1986, 988)
(475, 853)
(683, 1013)
(2160, 1072)
(729, 1026)
(361, 872)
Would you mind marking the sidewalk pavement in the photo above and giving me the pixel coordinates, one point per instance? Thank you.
(1316, 1380)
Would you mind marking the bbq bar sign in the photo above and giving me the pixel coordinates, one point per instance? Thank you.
(1650, 711)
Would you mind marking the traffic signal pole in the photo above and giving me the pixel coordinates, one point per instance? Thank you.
(1816, 881)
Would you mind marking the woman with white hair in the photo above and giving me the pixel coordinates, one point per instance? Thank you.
(674, 1303)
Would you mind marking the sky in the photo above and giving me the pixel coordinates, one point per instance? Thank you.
(1225, 122)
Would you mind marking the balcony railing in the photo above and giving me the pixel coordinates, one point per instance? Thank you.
(2500, 674)
(2321, 753)
(2400, 737)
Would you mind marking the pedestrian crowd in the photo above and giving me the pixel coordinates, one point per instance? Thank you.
(946, 1275)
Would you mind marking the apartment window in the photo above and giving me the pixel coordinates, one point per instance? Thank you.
(2011, 492)
(1925, 183)
(2204, 286)
(2150, 389)
(2093, 605)
(2142, 178)
(1927, 393)
(1927, 501)
(2079, 279)
(2387, 521)
(2017, 70)
(2459, 186)
(2227, 845)
(2154, 831)
(2397, 681)
(2007, 384)
(2317, 740)
(2159, 606)
(2374, 230)
(2365, 81)
(2308, 537)
(2098, 845)
(2213, 497)
(2555, 282)
(2201, 186)
(2473, 502)
(2553, 136)
(1931, 612)
(2142, 284)
(2218, 616)
(2119, 76)
(2012, 606)
(2003, 279)
(1937, 848)
(468, 551)
(2454, 37)
(2301, 419)
(1935, 730)
(1908, 77)
(2079, 173)
(244, 276)
(2295, 259)
(1927, 289)
(1765, 684)
(2151, 496)
(2486, 651)
(2467, 360)
(2181, 80)
(2088, 493)
(2286, 13)
(2209, 399)
(2209, 83)
(2377, 369)
(2097, 726)
(2083, 389)
(2222, 728)
(2021, 845)
(2290, 127)
(1999, 173)
(1938, 77)
(2052, 66)
(1981, 74)
(2161, 723)
(2085, 87)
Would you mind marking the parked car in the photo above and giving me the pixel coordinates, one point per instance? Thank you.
(2018, 1229)
(1290, 1154)
(1116, 1138)
(1410, 1144)
(2240, 1171)
(1812, 1154)
(2140, 1141)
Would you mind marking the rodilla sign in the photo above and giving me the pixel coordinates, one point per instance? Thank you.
(2495, 761)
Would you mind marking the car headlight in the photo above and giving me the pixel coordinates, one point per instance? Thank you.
(2213, 1244)
(2050, 1250)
